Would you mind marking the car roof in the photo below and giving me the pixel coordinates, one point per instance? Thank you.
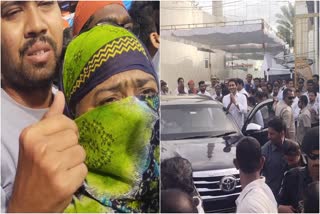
(187, 99)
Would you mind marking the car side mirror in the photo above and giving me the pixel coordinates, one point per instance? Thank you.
(253, 127)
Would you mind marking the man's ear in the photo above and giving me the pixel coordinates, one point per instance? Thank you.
(154, 39)
(262, 160)
(235, 163)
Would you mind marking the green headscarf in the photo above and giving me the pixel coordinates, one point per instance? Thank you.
(119, 138)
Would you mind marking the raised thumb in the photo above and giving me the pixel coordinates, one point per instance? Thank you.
(57, 106)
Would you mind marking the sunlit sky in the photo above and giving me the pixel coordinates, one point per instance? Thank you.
(248, 9)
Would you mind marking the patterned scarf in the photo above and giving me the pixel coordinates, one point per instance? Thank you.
(120, 138)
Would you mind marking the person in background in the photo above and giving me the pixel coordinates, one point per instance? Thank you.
(256, 196)
(304, 119)
(284, 111)
(235, 103)
(192, 89)
(257, 84)
(164, 88)
(270, 89)
(301, 86)
(311, 198)
(218, 95)
(289, 84)
(181, 89)
(111, 93)
(310, 88)
(145, 16)
(176, 201)
(249, 85)
(211, 88)
(292, 155)
(91, 13)
(313, 107)
(202, 89)
(176, 173)
(296, 180)
(240, 87)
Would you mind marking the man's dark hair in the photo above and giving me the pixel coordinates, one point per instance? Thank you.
(304, 100)
(240, 81)
(163, 83)
(145, 15)
(177, 173)
(286, 92)
(310, 81)
(316, 76)
(201, 82)
(252, 101)
(311, 198)
(291, 148)
(314, 92)
(310, 141)
(277, 124)
(233, 80)
(176, 201)
(180, 78)
(301, 80)
(260, 95)
(257, 79)
(289, 80)
(248, 154)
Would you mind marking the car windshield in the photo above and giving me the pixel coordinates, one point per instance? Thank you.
(194, 120)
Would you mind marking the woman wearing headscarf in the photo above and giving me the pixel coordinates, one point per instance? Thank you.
(111, 91)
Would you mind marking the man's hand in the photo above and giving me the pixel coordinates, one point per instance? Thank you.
(51, 163)
(286, 209)
(232, 98)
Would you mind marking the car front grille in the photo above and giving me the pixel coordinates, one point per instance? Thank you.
(208, 184)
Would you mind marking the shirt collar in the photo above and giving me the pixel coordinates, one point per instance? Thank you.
(249, 187)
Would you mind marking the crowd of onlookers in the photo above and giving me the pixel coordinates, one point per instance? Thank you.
(281, 175)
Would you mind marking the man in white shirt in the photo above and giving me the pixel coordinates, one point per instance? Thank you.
(181, 89)
(256, 195)
(289, 84)
(235, 103)
(202, 89)
(240, 87)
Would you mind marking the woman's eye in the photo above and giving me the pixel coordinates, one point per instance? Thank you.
(107, 100)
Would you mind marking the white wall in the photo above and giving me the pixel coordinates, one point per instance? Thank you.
(182, 60)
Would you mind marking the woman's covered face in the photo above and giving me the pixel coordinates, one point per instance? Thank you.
(117, 87)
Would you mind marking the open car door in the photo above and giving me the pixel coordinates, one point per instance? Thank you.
(256, 124)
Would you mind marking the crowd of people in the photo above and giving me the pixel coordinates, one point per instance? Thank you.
(280, 175)
(297, 106)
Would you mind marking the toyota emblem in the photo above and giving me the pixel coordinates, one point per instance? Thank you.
(228, 183)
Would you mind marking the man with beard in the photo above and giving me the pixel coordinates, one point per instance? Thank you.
(297, 179)
(202, 88)
(41, 160)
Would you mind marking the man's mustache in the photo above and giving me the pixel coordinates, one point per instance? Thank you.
(28, 44)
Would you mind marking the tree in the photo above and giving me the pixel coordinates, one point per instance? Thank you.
(286, 23)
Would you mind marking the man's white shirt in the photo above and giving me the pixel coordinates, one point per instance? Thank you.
(238, 114)
(243, 91)
(257, 197)
(205, 93)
